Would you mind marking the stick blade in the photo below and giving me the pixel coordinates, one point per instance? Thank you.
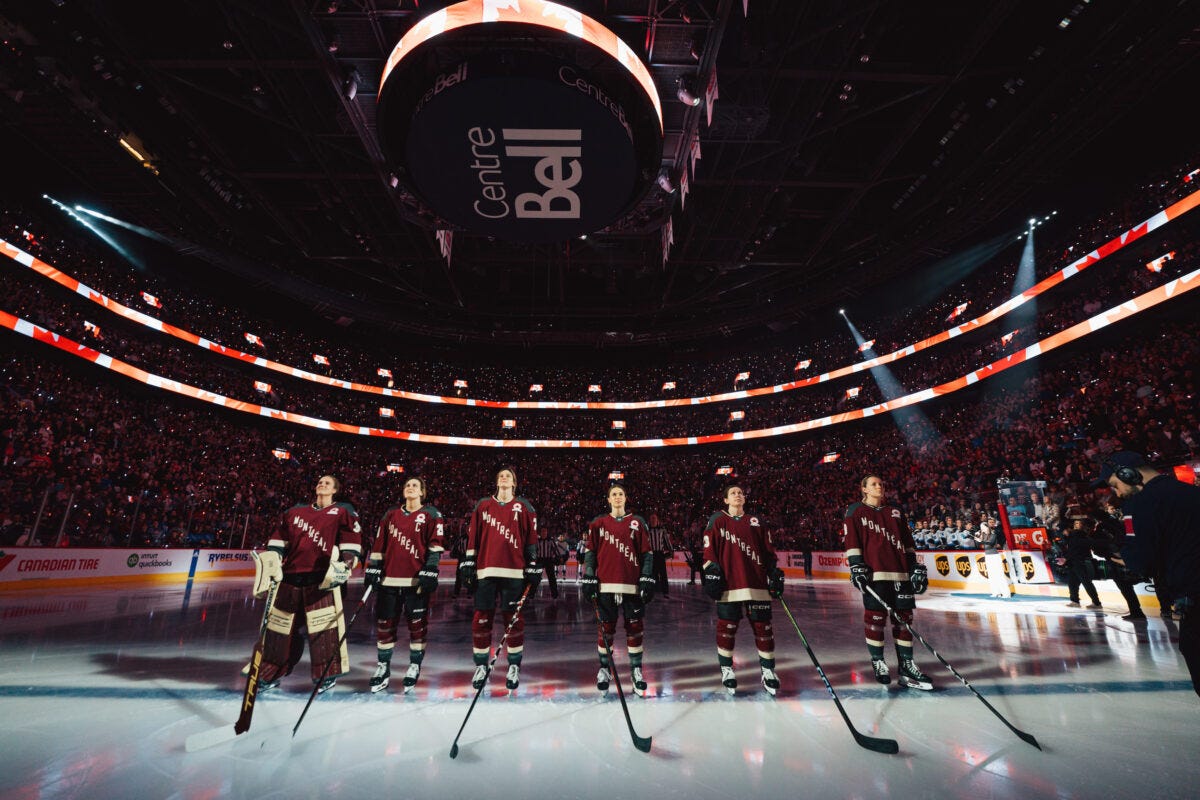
(1027, 737)
(888, 746)
(642, 743)
(454, 750)
(209, 738)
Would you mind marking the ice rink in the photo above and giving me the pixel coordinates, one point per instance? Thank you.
(101, 690)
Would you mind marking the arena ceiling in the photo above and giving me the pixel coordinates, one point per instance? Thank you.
(850, 143)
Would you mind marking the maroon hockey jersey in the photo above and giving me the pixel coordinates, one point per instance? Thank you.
(881, 538)
(499, 534)
(742, 547)
(404, 541)
(307, 535)
(618, 543)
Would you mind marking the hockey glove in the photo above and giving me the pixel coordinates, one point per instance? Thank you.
(337, 575)
(860, 576)
(373, 576)
(533, 574)
(427, 579)
(466, 573)
(714, 581)
(589, 587)
(920, 579)
(775, 583)
(646, 587)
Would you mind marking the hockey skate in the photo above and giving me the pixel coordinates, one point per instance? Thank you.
(325, 685)
(266, 686)
(639, 682)
(513, 679)
(882, 673)
(602, 679)
(912, 677)
(410, 677)
(480, 677)
(383, 674)
(770, 681)
(729, 680)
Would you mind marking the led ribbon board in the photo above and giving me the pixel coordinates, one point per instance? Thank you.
(1074, 268)
(528, 121)
(1129, 308)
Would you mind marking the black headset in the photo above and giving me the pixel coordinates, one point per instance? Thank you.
(1130, 476)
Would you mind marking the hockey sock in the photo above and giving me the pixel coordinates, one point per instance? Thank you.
(481, 633)
(764, 640)
(873, 622)
(726, 635)
(418, 627)
(604, 660)
(904, 643)
(634, 632)
(416, 656)
(724, 661)
(516, 636)
(635, 659)
(383, 656)
(604, 638)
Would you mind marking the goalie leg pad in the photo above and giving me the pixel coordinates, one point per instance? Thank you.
(325, 628)
(277, 640)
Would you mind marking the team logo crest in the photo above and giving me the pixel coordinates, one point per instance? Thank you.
(517, 508)
(942, 565)
(1027, 567)
(754, 522)
(963, 565)
(633, 526)
(981, 566)
(895, 513)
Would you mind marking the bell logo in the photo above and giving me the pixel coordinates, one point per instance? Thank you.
(942, 565)
(1027, 567)
(963, 565)
(552, 171)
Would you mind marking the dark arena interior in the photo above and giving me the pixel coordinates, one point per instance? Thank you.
(676, 246)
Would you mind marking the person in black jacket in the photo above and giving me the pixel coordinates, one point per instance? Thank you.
(1106, 542)
(1081, 567)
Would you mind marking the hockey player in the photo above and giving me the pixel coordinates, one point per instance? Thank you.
(501, 557)
(403, 566)
(618, 573)
(741, 573)
(312, 553)
(881, 554)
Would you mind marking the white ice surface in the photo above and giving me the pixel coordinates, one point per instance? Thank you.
(100, 689)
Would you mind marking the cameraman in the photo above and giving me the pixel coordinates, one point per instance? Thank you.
(1166, 541)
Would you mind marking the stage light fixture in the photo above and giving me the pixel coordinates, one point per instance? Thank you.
(664, 181)
(686, 92)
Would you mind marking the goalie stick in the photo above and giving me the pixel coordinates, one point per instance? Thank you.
(1025, 737)
(200, 741)
(496, 655)
(640, 742)
(889, 746)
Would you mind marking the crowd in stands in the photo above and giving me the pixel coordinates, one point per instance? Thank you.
(91, 459)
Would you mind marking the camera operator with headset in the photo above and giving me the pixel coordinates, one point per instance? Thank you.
(1166, 540)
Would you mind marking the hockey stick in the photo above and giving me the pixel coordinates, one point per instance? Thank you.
(496, 655)
(889, 746)
(214, 736)
(640, 742)
(1025, 737)
(251, 692)
(336, 651)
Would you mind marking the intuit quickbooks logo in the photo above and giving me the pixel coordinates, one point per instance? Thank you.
(132, 560)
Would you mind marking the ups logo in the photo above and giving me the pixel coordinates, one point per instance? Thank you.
(1027, 567)
(981, 565)
(963, 565)
(942, 564)
(1006, 572)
